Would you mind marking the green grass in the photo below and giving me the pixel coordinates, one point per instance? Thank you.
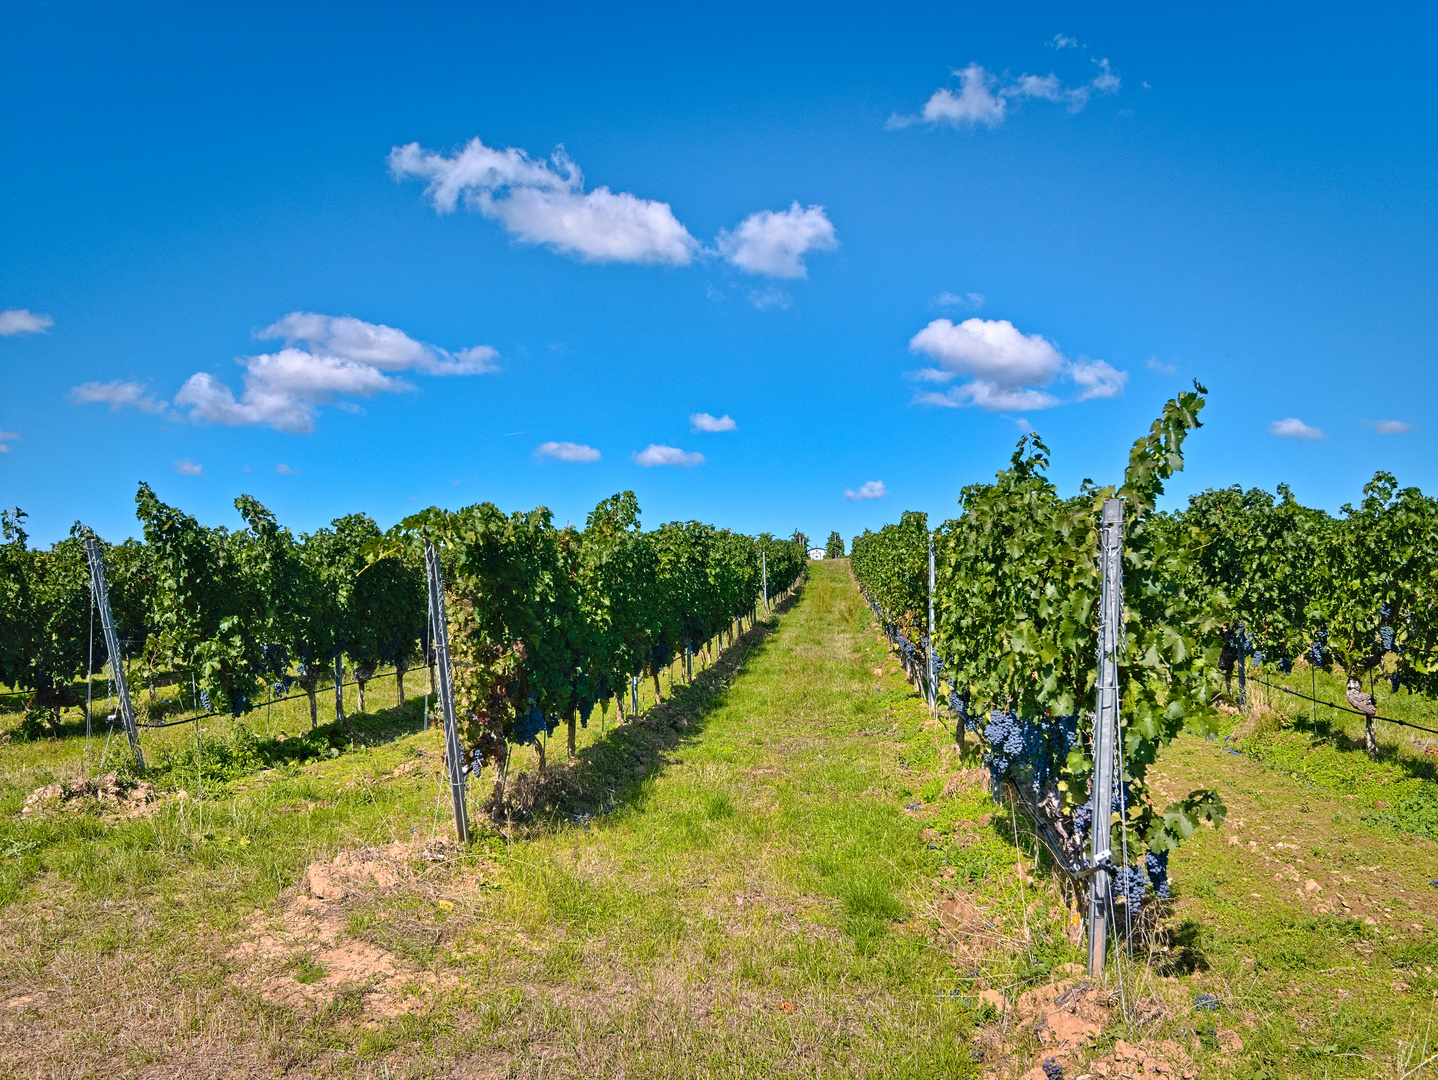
(747, 882)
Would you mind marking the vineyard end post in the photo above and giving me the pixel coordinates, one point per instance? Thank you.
(930, 653)
(764, 569)
(112, 645)
(439, 631)
(1105, 731)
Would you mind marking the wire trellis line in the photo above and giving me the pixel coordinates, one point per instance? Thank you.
(1343, 708)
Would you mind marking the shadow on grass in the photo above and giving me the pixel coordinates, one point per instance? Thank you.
(1414, 767)
(617, 769)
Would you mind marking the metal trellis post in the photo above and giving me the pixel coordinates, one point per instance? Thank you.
(1105, 730)
(439, 634)
(764, 566)
(339, 690)
(112, 645)
(929, 652)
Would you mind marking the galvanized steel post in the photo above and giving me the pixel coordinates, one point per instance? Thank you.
(1105, 730)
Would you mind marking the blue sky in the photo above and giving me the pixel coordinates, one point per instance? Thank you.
(879, 241)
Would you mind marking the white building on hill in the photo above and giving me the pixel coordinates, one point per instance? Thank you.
(816, 553)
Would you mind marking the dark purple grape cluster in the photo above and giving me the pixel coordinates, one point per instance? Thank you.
(959, 704)
(1083, 817)
(528, 726)
(1318, 651)
(1130, 882)
(1053, 1070)
(1029, 750)
(1156, 863)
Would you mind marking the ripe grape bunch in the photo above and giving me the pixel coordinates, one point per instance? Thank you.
(1385, 632)
(1130, 882)
(1156, 863)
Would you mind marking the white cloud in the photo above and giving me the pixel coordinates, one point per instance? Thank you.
(6, 437)
(285, 470)
(1008, 368)
(973, 300)
(1392, 427)
(992, 350)
(872, 489)
(186, 467)
(22, 321)
(702, 421)
(1293, 428)
(974, 104)
(654, 454)
(771, 297)
(774, 242)
(375, 345)
(1155, 364)
(1097, 379)
(341, 357)
(117, 395)
(544, 202)
(983, 99)
(1063, 41)
(567, 451)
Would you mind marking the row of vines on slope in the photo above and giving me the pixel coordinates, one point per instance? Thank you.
(547, 622)
(560, 616)
(1015, 636)
(1357, 591)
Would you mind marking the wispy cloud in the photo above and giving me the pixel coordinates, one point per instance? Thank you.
(774, 243)
(285, 470)
(6, 438)
(988, 396)
(118, 395)
(1392, 427)
(983, 98)
(324, 358)
(654, 454)
(566, 451)
(971, 301)
(871, 489)
(702, 421)
(1155, 364)
(1063, 41)
(771, 297)
(1293, 428)
(1009, 369)
(1097, 379)
(543, 201)
(186, 467)
(22, 321)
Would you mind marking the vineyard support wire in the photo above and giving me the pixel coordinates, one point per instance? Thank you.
(1341, 708)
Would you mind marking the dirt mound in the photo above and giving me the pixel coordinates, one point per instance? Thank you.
(307, 957)
(109, 791)
(1067, 1020)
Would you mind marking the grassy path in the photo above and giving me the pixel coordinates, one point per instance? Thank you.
(748, 906)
